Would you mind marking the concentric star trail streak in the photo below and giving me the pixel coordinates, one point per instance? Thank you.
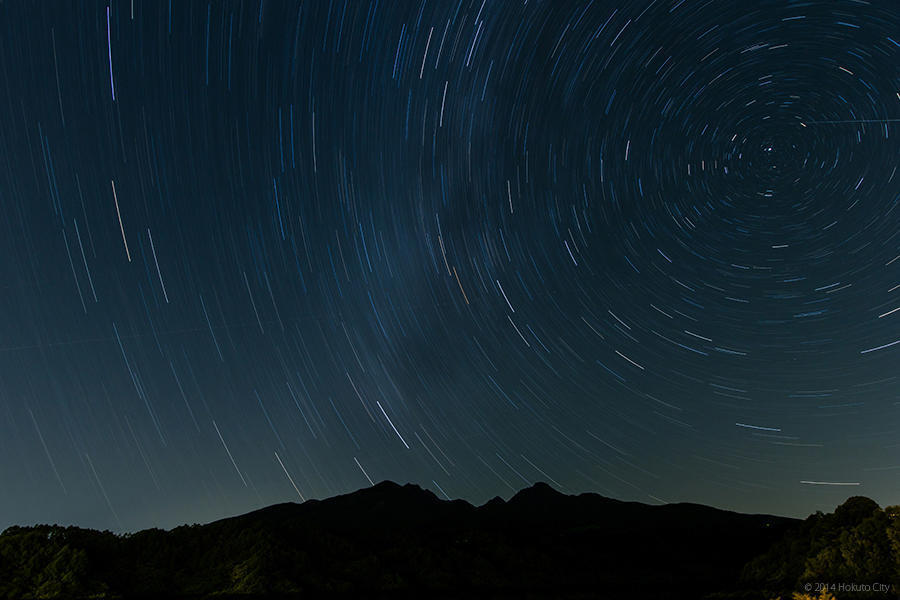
(648, 249)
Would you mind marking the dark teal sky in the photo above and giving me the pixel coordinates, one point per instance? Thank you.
(255, 252)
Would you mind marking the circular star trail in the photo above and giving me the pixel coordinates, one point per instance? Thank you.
(266, 251)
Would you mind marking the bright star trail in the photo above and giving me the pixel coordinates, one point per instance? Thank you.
(645, 249)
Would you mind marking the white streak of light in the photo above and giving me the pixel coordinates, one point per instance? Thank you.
(229, 454)
(392, 424)
(119, 214)
(291, 479)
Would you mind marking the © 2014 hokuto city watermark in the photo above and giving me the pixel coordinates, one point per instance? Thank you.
(820, 586)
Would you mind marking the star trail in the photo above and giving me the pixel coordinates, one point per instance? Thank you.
(263, 251)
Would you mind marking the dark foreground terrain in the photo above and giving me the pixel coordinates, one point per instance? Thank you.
(393, 541)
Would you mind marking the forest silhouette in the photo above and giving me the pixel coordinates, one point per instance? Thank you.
(392, 540)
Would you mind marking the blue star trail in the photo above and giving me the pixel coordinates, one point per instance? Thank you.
(260, 251)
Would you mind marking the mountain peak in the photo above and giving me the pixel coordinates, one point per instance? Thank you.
(544, 487)
(386, 484)
(393, 489)
(539, 492)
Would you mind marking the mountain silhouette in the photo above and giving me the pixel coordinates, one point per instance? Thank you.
(391, 539)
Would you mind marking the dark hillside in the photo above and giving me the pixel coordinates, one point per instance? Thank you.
(392, 539)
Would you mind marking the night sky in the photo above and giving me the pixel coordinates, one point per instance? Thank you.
(264, 251)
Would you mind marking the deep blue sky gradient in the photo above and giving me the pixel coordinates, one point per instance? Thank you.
(263, 250)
